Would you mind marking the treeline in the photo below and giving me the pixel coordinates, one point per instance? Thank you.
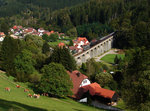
(13, 7)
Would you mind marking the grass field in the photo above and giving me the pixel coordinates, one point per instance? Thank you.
(57, 42)
(109, 58)
(17, 100)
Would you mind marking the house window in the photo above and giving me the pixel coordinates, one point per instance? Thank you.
(85, 81)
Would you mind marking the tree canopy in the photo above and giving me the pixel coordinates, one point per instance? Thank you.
(55, 80)
(136, 83)
(63, 56)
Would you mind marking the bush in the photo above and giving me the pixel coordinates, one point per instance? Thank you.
(35, 78)
(103, 78)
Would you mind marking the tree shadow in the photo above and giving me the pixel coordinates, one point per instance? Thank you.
(15, 106)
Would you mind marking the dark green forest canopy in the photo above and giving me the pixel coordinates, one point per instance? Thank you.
(12, 7)
(90, 18)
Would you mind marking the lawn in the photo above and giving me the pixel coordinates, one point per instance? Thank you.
(109, 58)
(57, 42)
(17, 100)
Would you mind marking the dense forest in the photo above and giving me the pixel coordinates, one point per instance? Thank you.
(12, 7)
(92, 19)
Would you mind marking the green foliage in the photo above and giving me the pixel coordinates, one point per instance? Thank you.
(113, 58)
(63, 56)
(51, 38)
(93, 30)
(93, 67)
(133, 25)
(34, 43)
(71, 43)
(35, 78)
(55, 80)
(136, 84)
(83, 67)
(45, 37)
(4, 27)
(9, 50)
(103, 78)
(24, 65)
(72, 32)
(46, 48)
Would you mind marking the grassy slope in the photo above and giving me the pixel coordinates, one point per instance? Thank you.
(17, 100)
(110, 57)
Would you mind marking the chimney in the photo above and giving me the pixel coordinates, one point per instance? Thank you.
(78, 74)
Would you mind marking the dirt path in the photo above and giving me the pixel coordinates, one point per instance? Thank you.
(112, 51)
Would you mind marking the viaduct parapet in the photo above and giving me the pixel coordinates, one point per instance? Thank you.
(101, 46)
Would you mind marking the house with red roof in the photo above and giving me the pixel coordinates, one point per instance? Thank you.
(80, 44)
(81, 41)
(78, 80)
(61, 45)
(99, 94)
(83, 88)
(2, 36)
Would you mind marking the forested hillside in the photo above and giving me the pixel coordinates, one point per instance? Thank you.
(12, 7)
(92, 19)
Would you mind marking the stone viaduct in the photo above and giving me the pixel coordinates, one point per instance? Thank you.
(101, 46)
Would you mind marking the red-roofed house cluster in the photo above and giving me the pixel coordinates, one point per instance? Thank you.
(2, 36)
(83, 88)
(79, 45)
(20, 32)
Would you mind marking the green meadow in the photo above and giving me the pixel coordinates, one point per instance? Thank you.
(17, 100)
(109, 58)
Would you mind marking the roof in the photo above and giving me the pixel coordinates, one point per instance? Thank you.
(15, 27)
(95, 89)
(77, 78)
(2, 33)
(52, 31)
(72, 48)
(82, 39)
(61, 44)
(106, 93)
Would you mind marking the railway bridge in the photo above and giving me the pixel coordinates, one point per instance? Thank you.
(102, 45)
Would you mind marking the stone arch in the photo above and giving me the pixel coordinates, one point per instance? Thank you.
(83, 58)
(95, 51)
(91, 53)
(78, 61)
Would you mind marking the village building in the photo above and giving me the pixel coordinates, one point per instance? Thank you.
(79, 45)
(61, 45)
(83, 88)
(2, 36)
(78, 80)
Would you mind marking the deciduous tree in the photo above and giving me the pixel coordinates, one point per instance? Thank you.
(55, 80)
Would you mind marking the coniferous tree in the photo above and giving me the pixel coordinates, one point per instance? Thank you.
(46, 48)
(10, 49)
(63, 56)
(136, 83)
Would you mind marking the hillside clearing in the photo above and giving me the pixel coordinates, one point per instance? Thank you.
(17, 100)
(109, 58)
